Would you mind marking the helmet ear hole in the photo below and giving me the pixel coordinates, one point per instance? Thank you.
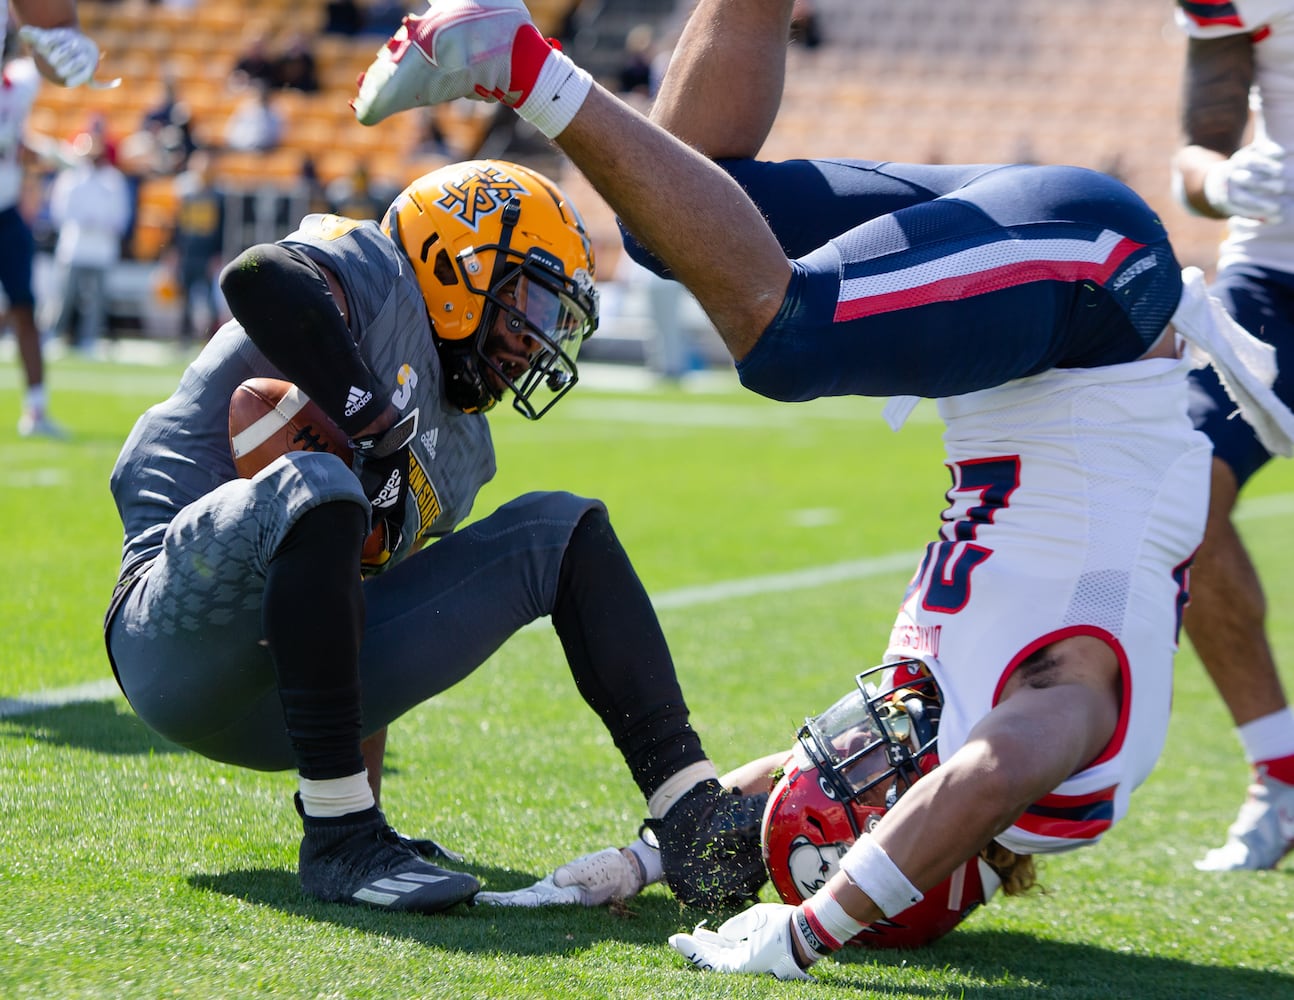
(444, 269)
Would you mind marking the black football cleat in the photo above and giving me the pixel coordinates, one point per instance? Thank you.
(359, 859)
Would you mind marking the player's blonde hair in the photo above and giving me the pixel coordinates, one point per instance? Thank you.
(1017, 871)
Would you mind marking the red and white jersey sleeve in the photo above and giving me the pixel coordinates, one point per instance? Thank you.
(1214, 18)
(19, 84)
(1270, 26)
(1078, 499)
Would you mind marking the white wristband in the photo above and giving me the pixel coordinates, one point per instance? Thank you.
(824, 925)
(874, 872)
(648, 858)
(1180, 195)
(558, 93)
(1216, 191)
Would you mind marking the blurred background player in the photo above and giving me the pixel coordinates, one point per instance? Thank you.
(69, 58)
(1034, 303)
(18, 90)
(196, 240)
(284, 620)
(1238, 49)
(90, 206)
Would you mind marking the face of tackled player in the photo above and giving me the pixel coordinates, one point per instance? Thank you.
(525, 327)
(530, 340)
(876, 740)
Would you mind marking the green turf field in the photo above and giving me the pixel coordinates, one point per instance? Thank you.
(767, 534)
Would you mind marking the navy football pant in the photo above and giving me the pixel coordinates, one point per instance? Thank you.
(938, 280)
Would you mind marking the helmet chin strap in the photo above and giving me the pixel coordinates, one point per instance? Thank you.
(467, 382)
(510, 217)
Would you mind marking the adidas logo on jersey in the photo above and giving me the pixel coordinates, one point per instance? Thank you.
(429, 439)
(389, 493)
(1145, 264)
(356, 400)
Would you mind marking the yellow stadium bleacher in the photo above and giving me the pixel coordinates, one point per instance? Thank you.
(155, 217)
(145, 42)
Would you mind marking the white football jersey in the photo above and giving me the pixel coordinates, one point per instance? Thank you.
(1270, 23)
(19, 84)
(1078, 500)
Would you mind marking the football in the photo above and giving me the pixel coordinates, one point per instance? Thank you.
(268, 417)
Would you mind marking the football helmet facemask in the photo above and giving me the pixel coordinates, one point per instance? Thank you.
(851, 763)
(878, 739)
(497, 247)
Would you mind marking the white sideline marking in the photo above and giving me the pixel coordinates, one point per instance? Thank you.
(857, 569)
(27, 703)
(685, 597)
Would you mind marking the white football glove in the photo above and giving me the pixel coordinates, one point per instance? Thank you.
(1250, 184)
(71, 55)
(592, 880)
(759, 939)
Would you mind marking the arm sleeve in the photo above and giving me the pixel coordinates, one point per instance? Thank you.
(283, 302)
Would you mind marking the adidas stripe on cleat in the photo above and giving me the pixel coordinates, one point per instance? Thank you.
(359, 859)
(390, 890)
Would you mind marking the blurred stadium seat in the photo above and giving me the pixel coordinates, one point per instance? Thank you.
(1094, 84)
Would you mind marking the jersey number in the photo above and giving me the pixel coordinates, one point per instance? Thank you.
(982, 486)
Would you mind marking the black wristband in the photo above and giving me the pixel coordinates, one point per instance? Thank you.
(388, 442)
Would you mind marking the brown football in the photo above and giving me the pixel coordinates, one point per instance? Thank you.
(269, 417)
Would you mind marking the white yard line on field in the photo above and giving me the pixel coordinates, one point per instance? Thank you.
(725, 590)
(27, 703)
(685, 597)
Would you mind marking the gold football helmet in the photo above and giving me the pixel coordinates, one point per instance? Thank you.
(496, 247)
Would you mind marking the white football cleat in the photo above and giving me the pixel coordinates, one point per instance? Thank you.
(1263, 832)
(457, 48)
(759, 939)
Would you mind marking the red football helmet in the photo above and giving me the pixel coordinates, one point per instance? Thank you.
(852, 762)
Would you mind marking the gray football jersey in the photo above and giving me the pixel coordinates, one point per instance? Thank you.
(179, 449)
